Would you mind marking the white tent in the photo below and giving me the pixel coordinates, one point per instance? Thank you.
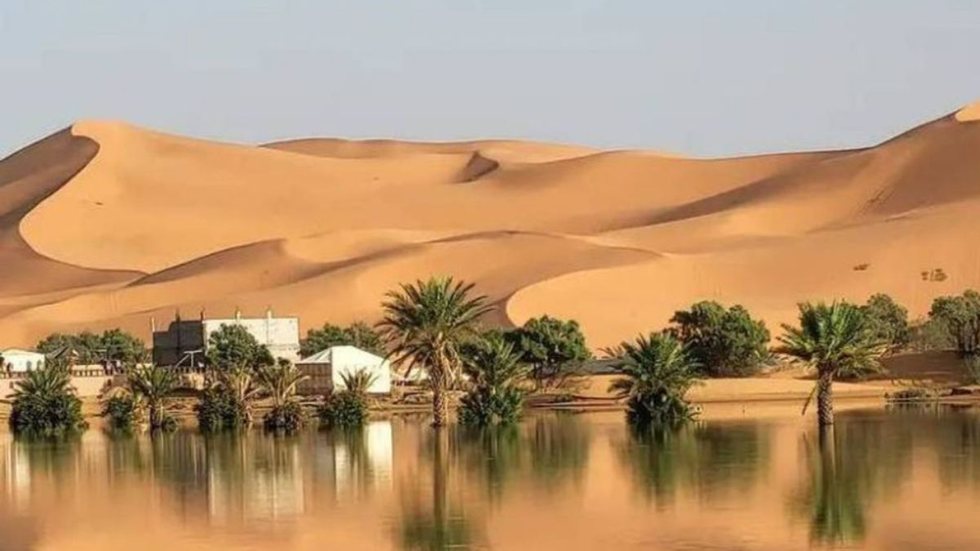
(326, 368)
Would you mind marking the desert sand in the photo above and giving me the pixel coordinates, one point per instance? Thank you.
(105, 224)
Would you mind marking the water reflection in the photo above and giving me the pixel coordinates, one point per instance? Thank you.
(885, 479)
(434, 516)
(708, 459)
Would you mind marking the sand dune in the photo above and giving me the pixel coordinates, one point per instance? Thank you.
(106, 224)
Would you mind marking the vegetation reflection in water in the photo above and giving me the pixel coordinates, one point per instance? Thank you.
(446, 486)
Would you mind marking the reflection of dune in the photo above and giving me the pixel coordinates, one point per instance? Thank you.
(106, 224)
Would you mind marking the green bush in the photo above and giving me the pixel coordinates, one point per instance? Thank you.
(724, 342)
(555, 349)
(287, 417)
(930, 334)
(357, 334)
(960, 316)
(220, 410)
(90, 348)
(45, 404)
(123, 412)
(486, 407)
(888, 321)
(344, 409)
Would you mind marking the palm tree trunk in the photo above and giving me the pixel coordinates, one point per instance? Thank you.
(440, 407)
(825, 398)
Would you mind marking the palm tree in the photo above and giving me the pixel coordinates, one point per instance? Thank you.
(834, 340)
(153, 386)
(280, 381)
(656, 373)
(358, 381)
(238, 381)
(425, 324)
(44, 402)
(495, 370)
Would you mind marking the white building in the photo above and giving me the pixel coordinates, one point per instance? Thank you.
(327, 367)
(20, 361)
(185, 342)
(279, 335)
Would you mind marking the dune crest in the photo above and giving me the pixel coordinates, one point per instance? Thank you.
(106, 224)
(969, 113)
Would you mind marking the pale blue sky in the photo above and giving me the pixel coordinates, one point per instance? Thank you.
(698, 77)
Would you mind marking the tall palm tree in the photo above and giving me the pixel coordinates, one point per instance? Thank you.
(425, 324)
(154, 386)
(656, 372)
(834, 340)
(279, 381)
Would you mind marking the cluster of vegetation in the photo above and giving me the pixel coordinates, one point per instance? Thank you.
(656, 372)
(425, 325)
(495, 370)
(44, 403)
(723, 342)
(434, 326)
(86, 348)
(554, 349)
(279, 382)
(241, 372)
(348, 407)
(357, 334)
(146, 399)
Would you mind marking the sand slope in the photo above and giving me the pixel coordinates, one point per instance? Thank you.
(105, 224)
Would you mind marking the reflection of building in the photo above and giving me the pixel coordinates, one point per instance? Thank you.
(327, 368)
(254, 479)
(184, 342)
(19, 361)
(364, 460)
(15, 465)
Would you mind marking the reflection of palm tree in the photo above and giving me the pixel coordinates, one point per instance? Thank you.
(492, 454)
(558, 448)
(708, 458)
(836, 500)
(446, 525)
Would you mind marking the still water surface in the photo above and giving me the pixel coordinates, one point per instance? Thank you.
(906, 479)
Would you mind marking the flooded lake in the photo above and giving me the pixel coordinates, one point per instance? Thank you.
(899, 479)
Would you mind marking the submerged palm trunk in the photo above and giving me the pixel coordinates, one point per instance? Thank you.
(825, 398)
(440, 408)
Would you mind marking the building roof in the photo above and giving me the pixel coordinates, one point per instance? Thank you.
(327, 356)
(8, 352)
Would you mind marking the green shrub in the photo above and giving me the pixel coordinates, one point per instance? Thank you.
(724, 342)
(930, 334)
(287, 417)
(123, 412)
(357, 334)
(45, 404)
(554, 349)
(888, 321)
(344, 409)
(220, 410)
(960, 316)
(485, 407)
